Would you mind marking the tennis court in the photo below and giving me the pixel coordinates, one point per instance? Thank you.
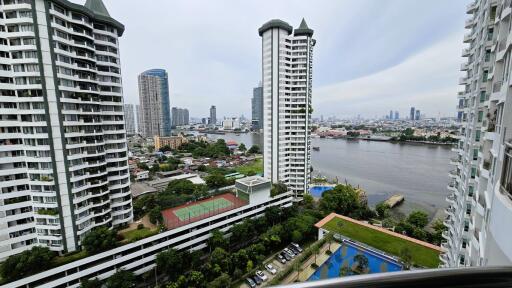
(201, 209)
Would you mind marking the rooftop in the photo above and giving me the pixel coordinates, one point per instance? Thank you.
(252, 181)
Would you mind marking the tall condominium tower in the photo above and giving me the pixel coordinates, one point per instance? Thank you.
(129, 118)
(412, 115)
(63, 155)
(418, 115)
(287, 62)
(213, 115)
(155, 114)
(480, 203)
(179, 116)
(137, 118)
(257, 107)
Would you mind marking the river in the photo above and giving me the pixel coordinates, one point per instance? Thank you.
(418, 171)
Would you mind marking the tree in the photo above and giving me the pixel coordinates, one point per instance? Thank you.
(345, 271)
(343, 199)
(382, 209)
(171, 263)
(220, 257)
(216, 181)
(155, 215)
(406, 256)
(362, 263)
(255, 149)
(220, 282)
(308, 201)
(418, 219)
(242, 147)
(316, 250)
(121, 279)
(278, 188)
(99, 239)
(329, 238)
(217, 240)
(296, 236)
(272, 215)
(91, 283)
(165, 148)
(26, 263)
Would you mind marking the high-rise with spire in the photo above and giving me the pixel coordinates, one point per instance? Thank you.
(287, 64)
(63, 153)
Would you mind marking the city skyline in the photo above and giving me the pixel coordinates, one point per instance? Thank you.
(336, 77)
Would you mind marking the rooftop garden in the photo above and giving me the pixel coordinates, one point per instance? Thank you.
(419, 255)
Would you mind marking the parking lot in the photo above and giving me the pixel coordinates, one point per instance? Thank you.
(278, 265)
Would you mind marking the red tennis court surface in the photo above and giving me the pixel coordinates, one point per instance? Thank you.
(173, 217)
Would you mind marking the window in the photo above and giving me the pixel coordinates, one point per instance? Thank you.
(485, 75)
(477, 135)
(483, 97)
(487, 56)
(480, 116)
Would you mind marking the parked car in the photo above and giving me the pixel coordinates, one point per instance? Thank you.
(289, 252)
(271, 269)
(281, 258)
(294, 250)
(286, 256)
(262, 275)
(250, 282)
(297, 246)
(257, 279)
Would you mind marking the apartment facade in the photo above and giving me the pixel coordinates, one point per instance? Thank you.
(129, 118)
(287, 63)
(174, 142)
(480, 203)
(63, 163)
(257, 108)
(155, 114)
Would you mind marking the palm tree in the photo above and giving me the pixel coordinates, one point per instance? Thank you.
(316, 250)
(330, 238)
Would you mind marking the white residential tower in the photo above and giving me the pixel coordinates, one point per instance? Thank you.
(287, 62)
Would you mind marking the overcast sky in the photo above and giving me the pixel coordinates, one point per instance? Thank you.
(371, 55)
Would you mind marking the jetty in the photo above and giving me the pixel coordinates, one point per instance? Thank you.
(395, 200)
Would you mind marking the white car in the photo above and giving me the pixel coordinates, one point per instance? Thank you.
(262, 275)
(271, 269)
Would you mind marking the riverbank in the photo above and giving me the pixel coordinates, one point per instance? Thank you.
(398, 141)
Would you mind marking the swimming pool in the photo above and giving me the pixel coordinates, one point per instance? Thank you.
(317, 191)
(344, 257)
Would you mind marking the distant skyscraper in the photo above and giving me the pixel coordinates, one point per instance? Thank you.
(418, 115)
(129, 119)
(64, 168)
(287, 103)
(137, 112)
(390, 114)
(179, 116)
(213, 115)
(397, 116)
(257, 107)
(412, 115)
(154, 103)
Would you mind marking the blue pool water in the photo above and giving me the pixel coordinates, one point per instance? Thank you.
(317, 191)
(345, 256)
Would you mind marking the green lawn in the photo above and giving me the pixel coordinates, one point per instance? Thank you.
(421, 255)
(138, 234)
(256, 166)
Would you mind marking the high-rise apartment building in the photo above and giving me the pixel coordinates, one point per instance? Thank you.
(418, 115)
(390, 114)
(155, 114)
(287, 64)
(213, 115)
(480, 203)
(397, 115)
(129, 118)
(179, 117)
(137, 117)
(63, 155)
(257, 108)
(412, 115)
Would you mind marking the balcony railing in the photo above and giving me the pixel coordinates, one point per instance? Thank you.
(474, 277)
